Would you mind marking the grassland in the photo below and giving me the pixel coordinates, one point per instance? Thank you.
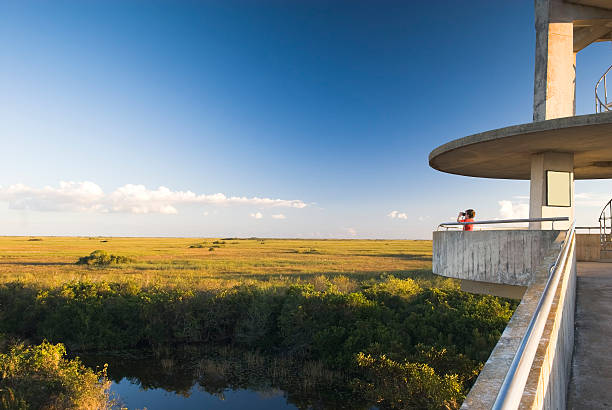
(369, 310)
(50, 261)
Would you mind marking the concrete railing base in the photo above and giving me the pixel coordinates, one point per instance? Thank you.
(546, 386)
(505, 257)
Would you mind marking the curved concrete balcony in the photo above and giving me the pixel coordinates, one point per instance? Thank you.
(496, 262)
(504, 257)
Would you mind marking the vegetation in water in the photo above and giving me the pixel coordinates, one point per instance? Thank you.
(306, 384)
(396, 322)
(41, 377)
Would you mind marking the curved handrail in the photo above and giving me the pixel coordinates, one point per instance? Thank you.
(605, 226)
(509, 396)
(601, 106)
(506, 221)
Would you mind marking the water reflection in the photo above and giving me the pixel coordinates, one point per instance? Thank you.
(225, 379)
(133, 396)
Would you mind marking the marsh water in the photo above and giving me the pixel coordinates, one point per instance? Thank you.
(224, 379)
(132, 395)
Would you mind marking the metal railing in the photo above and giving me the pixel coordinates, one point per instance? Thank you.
(605, 227)
(584, 228)
(602, 106)
(506, 221)
(509, 396)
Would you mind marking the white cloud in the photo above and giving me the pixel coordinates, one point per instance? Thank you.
(397, 214)
(279, 216)
(592, 199)
(513, 210)
(351, 231)
(137, 199)
(257, 215)
(69, 196)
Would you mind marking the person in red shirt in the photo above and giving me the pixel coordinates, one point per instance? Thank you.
(467, 216)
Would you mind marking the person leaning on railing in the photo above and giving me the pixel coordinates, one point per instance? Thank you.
(467, 216)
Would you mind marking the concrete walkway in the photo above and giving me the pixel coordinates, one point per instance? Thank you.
(591, 382)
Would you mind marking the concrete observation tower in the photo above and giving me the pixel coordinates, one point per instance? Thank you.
(552, 151)
(531, 365)
(572, 147)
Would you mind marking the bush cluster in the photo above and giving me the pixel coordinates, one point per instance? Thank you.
(41, 377)
(102, 258)
(392, 328)
(408, 385)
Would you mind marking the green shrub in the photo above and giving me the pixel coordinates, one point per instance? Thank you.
(41, 376)
(309, 251)
(408, 385)
(321, 283)
(198, 245)
(344, 284)
(102, 258)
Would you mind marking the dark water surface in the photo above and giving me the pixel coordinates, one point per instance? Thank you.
(133, 396)
(225, 379)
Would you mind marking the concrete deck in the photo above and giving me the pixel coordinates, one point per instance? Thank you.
(591, 381)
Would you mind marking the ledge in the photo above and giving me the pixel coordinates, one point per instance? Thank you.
(506, 152)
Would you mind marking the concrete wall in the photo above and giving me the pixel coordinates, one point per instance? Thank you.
(508, 257)
(546, 386)
(587, 247)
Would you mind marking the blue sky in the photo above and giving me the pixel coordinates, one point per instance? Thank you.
(325, 109)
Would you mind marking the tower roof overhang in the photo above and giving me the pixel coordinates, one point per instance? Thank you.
(602, 4)
(505, 153)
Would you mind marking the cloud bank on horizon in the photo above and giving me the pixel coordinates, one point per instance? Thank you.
(89, 197)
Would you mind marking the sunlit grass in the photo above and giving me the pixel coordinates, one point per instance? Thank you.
(50, 261)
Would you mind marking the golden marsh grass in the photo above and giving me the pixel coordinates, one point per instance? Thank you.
(50, 261)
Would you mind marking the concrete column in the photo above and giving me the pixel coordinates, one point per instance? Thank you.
(539, 189)
(555, 66)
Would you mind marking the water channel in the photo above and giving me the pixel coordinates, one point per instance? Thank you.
(131, 394)
(225, 379)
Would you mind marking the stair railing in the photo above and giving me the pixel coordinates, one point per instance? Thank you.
(605, 227)
(602, 105)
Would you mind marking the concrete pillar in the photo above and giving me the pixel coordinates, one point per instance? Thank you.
(555, 68)
(548, 190)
